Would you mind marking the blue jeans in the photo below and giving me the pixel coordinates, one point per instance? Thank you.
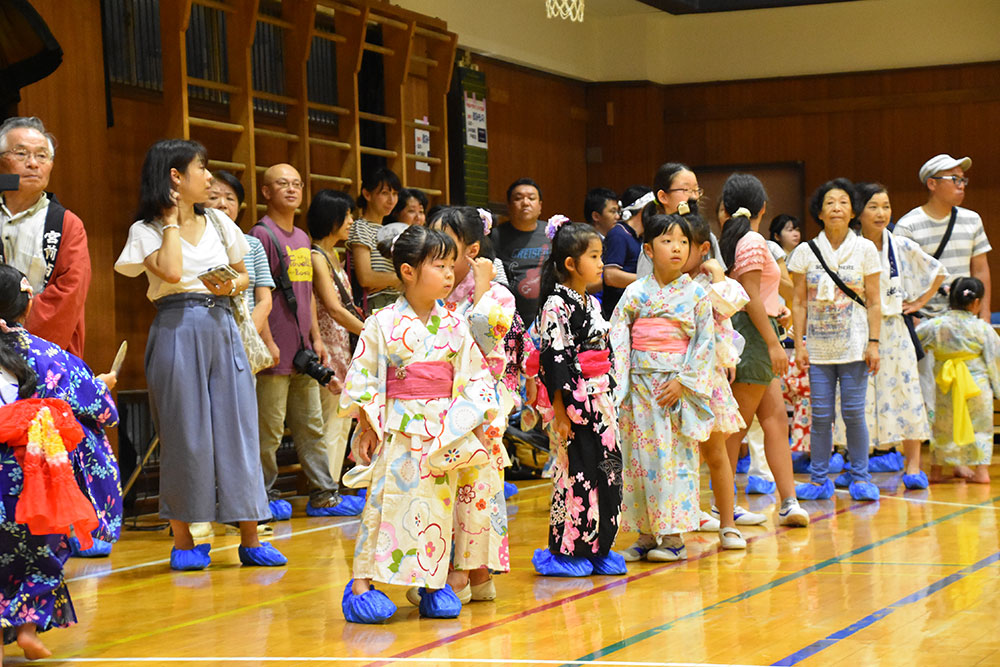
(853, 379)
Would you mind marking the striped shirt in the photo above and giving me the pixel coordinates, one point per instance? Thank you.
(365, 233)
(968, 239)
(257, 268)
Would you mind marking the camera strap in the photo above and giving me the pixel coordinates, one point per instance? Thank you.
(283, 282)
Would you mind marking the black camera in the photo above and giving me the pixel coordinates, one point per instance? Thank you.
(307, 363)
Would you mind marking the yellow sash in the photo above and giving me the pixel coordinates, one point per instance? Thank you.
(954, 376)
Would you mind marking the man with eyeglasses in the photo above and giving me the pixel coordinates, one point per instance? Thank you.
(283, 391)
(39, 237)
(963, 250)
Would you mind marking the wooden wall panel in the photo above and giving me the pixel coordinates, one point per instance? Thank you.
(71, 104)
(537, 128)
(866, 126)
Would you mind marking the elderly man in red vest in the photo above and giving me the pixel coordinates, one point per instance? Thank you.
(42, 239)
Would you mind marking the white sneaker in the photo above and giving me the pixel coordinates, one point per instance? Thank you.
(201, 529)
(637, 551)
(708, 523)
(791, 514)
(743, 517)
(664, 553)
(731, 538)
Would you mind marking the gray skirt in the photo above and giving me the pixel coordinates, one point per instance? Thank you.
(204, 408)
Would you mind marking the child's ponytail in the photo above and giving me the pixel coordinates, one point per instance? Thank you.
(964, 291)
(743, 197)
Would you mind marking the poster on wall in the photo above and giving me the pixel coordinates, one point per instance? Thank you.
(422, 144)
(475, 121)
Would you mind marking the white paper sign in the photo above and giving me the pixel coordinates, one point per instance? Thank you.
(475, 121)
(422, 144)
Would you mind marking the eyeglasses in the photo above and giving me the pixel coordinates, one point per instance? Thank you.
(21, 155)
(283, 184)
(697, 192)
(957, 180)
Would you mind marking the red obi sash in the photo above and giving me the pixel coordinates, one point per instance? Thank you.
(42, 431)
(594, 363)
(421, 380)
(658, 334)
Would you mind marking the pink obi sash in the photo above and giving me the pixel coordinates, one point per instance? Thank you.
(658, 334)
(421, 380)
(594, 363)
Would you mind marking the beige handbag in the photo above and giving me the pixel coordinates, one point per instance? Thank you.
(257, 353)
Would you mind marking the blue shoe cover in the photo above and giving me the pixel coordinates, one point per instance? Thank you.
(888, 462)
(442, 603)
(190, 559)
(613, 563)
(863, 491)
(509, 490)
(362, 493)
(836, 463)
(759, 486)
(843, 480)
(800, 463)
(370, 607)
(918, 481)
(354, 503)
(742, 465)
(101, 549)
(281, 510)
(812, 491)
(549, 564)
(265, 555)
(342, 508)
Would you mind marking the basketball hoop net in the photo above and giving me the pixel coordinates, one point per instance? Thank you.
(565, 9)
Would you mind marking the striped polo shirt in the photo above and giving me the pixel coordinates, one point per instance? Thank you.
(968, 239)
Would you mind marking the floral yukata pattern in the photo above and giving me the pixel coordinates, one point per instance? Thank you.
(480, 524)
(406, 525)
(660, 445)
(32, 589)
(955, 333)
(586, 473)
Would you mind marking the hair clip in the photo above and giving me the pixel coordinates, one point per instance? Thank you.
(26, 287)
(683, 208)
(487, 218)
(967, 292)
(554, 225)
(741, 211)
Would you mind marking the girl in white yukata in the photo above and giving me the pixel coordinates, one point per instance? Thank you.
(967, 373)
(664, 330)
(422, 392)
(894, 409)
(727, 297)
(480, 522)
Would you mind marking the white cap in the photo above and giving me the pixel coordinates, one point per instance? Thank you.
(943, 162)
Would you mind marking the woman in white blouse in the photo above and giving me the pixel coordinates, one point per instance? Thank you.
(200, 385)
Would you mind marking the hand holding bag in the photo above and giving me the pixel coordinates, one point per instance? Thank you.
(257, 353)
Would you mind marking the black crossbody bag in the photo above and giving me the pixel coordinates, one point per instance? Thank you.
(836, 279)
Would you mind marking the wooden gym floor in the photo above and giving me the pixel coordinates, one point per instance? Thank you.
(911, 580)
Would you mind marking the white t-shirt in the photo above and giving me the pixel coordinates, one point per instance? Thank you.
(837, 326)
(968, 239)
(145, 238)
